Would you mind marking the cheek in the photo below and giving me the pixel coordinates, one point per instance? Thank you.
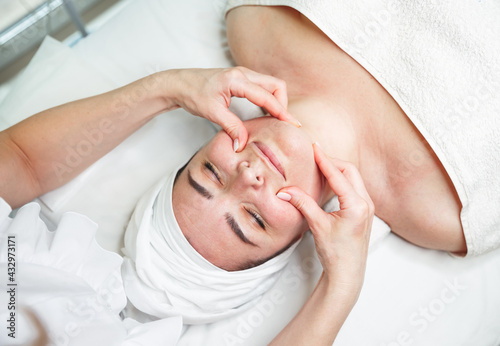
(308, 178)
(283, 215)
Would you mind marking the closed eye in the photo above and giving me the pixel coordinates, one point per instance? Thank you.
(257, 218)
(211, 168)
(214, 172)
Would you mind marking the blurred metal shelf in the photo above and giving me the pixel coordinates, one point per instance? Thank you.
(57, 18)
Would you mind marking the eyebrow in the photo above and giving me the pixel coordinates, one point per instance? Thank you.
(229, 218)
(200, 189)
(236, 229)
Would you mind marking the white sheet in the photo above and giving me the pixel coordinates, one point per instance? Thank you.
(69, 282)
(400, 279)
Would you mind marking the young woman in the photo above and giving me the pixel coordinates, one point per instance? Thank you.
(28, 148)
(255, 188)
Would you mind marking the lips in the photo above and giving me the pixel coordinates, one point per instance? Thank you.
(270, 157)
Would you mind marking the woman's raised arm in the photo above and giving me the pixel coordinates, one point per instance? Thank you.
(50, 148)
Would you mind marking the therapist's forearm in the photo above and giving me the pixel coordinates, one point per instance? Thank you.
(57, 144)
(321, 317)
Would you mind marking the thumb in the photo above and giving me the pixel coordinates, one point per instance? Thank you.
(234, 128)
(314, 215)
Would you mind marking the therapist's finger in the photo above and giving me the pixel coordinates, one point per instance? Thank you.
(316, 217)
(337, 181)
(262, 98)
(344, 179)
(352, 175)
(274, 85)
(233, 126)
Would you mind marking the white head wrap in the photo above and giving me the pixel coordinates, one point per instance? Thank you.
(165, 276)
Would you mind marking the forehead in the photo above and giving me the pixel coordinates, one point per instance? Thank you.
(186, 201)
(198, 217)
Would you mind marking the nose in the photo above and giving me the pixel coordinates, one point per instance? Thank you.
(249, 175)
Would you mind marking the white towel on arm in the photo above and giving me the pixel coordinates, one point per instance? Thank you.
(440, 61)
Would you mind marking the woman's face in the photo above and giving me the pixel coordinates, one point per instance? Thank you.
(226, 204)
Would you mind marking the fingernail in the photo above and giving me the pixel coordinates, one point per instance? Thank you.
(284, 196)
(236, 144)
(297, 123)
(317, 144)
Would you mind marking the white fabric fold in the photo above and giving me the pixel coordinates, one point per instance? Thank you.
(71, 284)
(165, 276)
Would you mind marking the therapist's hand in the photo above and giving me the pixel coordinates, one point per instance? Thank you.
(207, 93)
(341, 237)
